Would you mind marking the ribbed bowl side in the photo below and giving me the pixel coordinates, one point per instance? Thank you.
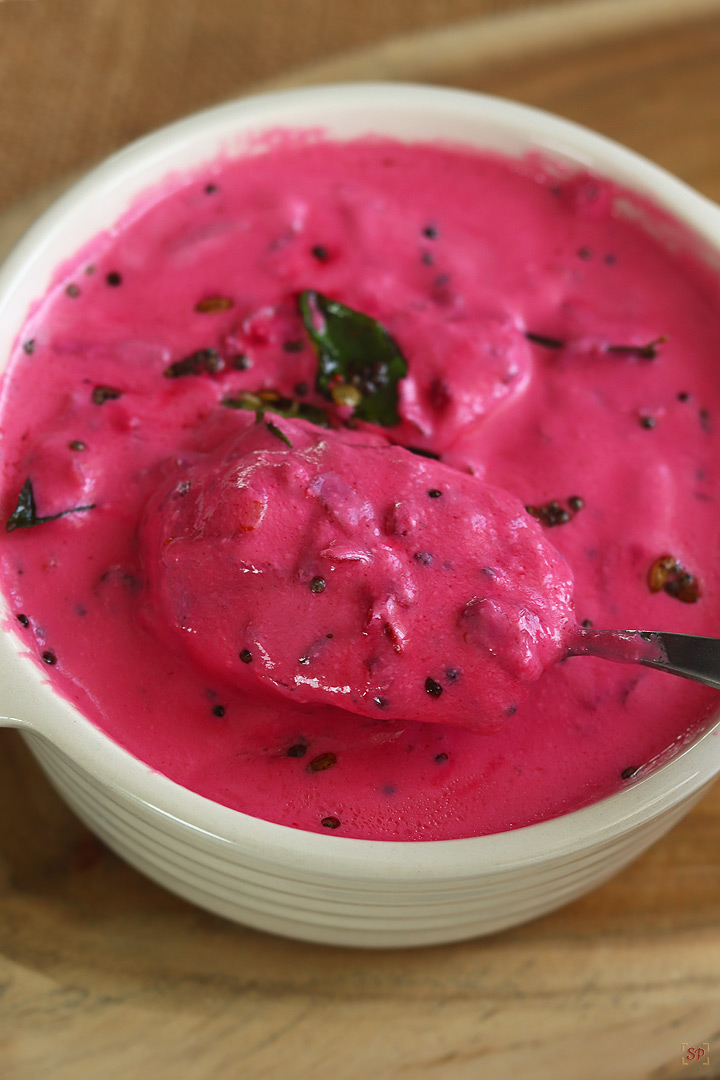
(221, 877)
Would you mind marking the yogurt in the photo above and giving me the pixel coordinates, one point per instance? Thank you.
(549, 365)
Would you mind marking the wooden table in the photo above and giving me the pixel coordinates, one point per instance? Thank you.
(105, 975)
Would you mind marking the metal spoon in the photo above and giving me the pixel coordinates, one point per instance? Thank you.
(691, 657)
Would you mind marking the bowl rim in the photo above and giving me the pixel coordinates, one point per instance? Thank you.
(133, 170)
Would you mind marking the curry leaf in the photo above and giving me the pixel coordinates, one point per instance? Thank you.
(359, 364)
(24, 516)
(277, 432)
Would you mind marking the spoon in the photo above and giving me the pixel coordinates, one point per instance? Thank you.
(687, 655)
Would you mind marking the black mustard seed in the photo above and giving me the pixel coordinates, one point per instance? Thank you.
(246, 656)
(49, 657)
(113, 279)
(433, 688)
(218, 710)
(317, 585)
(23, 620)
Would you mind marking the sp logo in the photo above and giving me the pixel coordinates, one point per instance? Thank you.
(695, 1055)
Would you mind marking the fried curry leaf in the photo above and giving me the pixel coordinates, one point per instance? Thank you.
(640, 352)
(203, 360)
(277, 432)
(359, 364)
(24, 516)
(422, 452)
(270, 401)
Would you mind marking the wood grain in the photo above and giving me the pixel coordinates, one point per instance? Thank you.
(103, 974)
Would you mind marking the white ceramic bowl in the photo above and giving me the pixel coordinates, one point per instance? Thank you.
(327, 888)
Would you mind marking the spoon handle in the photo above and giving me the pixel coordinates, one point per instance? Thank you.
(687, 655)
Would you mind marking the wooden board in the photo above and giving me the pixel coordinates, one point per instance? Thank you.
(103, 974)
